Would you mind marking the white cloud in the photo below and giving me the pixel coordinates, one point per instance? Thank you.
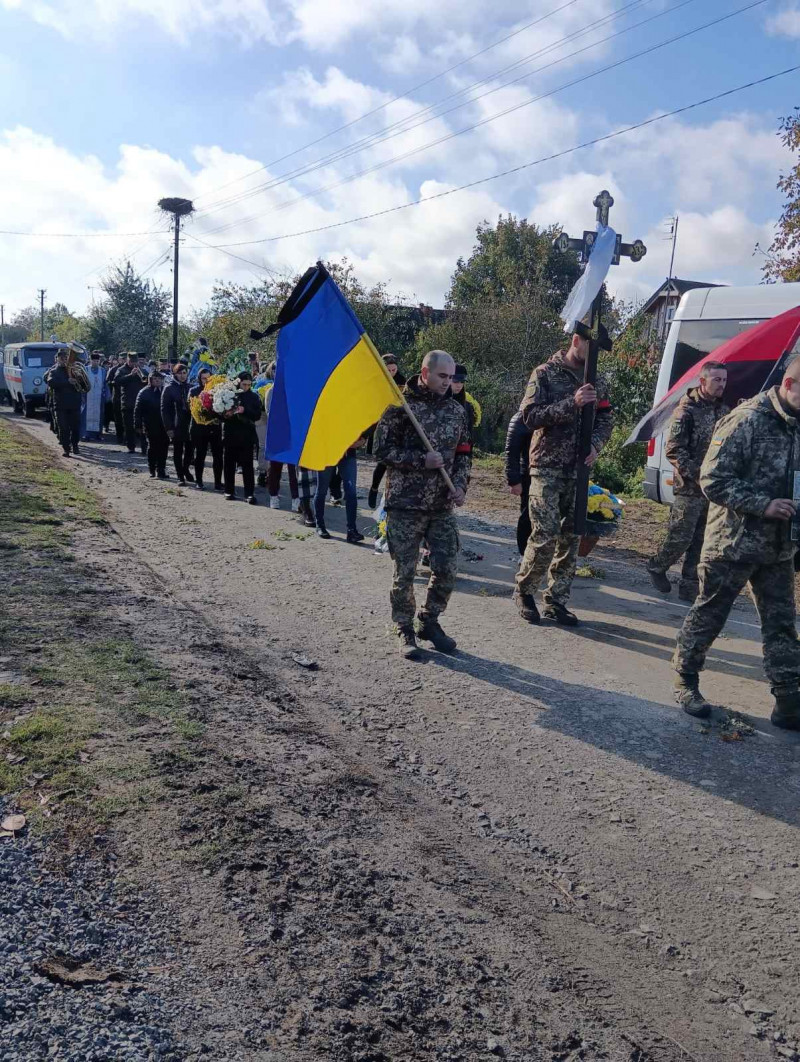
(785, 23)
(245, 19)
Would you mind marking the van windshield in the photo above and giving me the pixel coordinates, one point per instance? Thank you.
(698, 338)
(41, 358)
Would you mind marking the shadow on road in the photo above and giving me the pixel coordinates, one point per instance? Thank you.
(760, 773)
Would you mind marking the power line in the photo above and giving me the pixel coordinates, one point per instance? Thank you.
(211, 246)
(407, 92)
(402, 126)
(76, 235)
(516, 107)
(523, 166)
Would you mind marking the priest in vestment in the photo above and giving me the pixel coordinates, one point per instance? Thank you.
(96, 398)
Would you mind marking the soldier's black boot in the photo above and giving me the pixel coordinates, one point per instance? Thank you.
(688, 591)
(554, 610)
(527, 607)
(429, 630)
(659, 579)
(786, 713)
(407, 643)
(687, 694)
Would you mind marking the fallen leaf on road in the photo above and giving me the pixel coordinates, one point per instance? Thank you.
(759, 893)
(14, 823)
(71, 972)
(305, 661)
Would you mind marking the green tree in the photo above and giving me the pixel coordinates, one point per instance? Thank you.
(132, 316)
(783, 261)
(502, 314)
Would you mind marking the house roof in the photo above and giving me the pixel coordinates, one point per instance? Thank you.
(675, 286)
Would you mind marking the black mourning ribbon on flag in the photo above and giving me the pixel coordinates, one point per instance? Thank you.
(304, 291)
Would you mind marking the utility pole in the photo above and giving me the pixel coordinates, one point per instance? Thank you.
(179, 208)
(666, 322)
(42, 294)
(2, 325)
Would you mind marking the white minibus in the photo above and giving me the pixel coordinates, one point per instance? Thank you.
(704, 319)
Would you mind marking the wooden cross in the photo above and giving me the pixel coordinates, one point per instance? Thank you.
(583, 245)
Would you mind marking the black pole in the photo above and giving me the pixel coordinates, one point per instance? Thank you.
(584, 473)
(175, 290)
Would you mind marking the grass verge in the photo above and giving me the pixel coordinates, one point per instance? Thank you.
(74, 690)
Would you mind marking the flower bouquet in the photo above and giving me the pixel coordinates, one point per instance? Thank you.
(217, 398)
(603, 514)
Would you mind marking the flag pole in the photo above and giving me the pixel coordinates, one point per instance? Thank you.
(409, 411)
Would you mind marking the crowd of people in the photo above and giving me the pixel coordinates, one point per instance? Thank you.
(732, 521)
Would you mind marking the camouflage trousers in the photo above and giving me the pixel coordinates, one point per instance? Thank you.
(405, 531)
(553, 545)
(772, 587)
(685, 533)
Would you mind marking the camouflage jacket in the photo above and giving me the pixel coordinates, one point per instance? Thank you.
(690, 432)
(409, 485)
(752, 459)
(549, 410)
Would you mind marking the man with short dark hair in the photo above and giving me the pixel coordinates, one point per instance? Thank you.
(690, 432)
(749, 475)
(551, 409)
(129, 381)
(176, 417)
(67, 397)
(419, 504)
(147, 420)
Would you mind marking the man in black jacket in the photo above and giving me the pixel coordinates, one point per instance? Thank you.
(147, 421)
(116, 400)
(129, 381)
(518, 476)
(66, 403)
(176, 417)
(239, 439)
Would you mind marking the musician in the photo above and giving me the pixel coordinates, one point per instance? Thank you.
(68, 382)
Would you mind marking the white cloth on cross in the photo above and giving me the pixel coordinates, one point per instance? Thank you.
(591, 280)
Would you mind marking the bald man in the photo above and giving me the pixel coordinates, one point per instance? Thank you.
(748, 476)
(419, 504)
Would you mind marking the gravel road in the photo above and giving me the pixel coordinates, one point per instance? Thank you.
(579, 870)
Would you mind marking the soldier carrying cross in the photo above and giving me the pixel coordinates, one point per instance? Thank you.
(567, 407)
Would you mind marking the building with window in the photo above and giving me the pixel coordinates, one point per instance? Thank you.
(661, 306)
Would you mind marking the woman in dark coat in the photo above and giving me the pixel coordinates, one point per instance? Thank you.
(204, 437)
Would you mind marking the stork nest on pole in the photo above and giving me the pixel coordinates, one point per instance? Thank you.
(179, 207)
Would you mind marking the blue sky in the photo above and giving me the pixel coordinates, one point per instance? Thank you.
(109, 104)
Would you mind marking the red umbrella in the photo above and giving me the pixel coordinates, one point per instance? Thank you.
(749, 358)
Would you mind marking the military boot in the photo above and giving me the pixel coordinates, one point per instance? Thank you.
(407, 643)
(687, 694)
(429, 630)
(659, 579)
(688, 592)
(559, 613)
(527, 607)
(786, 713)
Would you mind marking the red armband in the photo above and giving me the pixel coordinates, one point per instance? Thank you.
(464, 448)
(605, 404)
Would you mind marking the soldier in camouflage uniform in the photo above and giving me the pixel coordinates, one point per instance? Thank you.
(551, 410)
(690, 433)
(419, 505)
(748, 476)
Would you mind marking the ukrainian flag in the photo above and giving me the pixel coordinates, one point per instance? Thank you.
(330, 383)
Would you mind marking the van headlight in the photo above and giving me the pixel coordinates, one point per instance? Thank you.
(37, 381)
